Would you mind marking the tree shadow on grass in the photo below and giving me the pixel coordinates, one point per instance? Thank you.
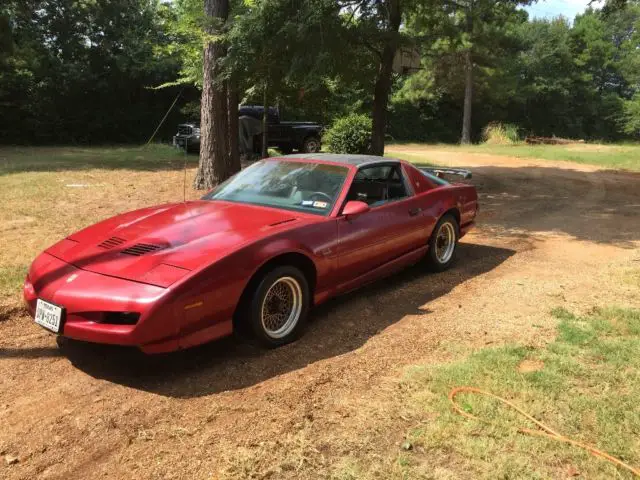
(57, 159)
(337, 327)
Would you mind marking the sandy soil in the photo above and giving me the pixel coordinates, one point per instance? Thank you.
(549, 234)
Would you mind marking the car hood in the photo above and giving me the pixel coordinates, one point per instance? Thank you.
(159, 245)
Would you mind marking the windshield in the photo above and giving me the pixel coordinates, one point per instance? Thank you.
(302, 186)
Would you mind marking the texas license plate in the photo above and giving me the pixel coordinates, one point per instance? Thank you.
(48, 315)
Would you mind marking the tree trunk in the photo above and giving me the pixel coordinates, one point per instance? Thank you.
(468, 80)
(233, 165)
(265, 141)
(468, 98)
(214, 124)
(383, 80)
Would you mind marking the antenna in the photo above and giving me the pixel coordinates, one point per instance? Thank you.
(165, 117)
(184, 182)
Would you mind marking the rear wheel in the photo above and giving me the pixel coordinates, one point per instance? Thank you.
(311, 145)
(279, 306)
(443, 243)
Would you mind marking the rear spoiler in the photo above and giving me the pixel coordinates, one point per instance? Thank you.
(441, 172)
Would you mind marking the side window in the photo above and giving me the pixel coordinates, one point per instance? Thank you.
(378, 185)
(379, 173)
(397, 186)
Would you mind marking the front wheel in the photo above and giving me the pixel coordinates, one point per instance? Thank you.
(311, 145)
(278, 310)
(443, 243)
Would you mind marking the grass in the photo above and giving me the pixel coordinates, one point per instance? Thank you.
(47, 159)
(606, 156)
(500, 134)
(586, 386)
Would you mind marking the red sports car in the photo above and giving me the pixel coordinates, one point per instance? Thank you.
(256, 252)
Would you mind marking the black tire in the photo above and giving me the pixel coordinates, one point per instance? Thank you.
(285, 149)
(287, 277)
(437, 260)
(311, 144)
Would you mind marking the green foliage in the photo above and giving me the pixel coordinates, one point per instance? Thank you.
(421, 110)
(296, 49)
(89, 72)
(350, 134)
(549, 77)
(79, 72)
(185, 22)
(496, 133)
(631, 116)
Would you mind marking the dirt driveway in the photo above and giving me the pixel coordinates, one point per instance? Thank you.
(549, 234)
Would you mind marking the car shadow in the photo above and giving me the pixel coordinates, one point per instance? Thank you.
(339, 326)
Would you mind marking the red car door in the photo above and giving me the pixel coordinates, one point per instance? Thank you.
(393, 227)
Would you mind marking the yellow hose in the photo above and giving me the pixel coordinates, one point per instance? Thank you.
(546, 431)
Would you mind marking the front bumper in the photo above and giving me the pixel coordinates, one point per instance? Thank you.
(85, 295)
(188, 142)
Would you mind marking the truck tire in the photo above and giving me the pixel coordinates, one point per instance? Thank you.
(311, 144)
(285, 149)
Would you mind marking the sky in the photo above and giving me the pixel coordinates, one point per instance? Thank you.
(554, 8)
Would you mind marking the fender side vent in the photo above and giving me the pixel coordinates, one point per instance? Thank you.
(111, 242)
(141, 249)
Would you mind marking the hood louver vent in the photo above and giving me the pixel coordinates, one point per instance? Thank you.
(280, 222)
(141, 249)
(111, 242)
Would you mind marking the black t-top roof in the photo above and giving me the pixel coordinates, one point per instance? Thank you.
(351, 159)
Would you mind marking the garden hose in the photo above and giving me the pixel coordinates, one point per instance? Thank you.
(546, 431)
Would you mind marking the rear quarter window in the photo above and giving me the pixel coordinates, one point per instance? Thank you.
(422, 181)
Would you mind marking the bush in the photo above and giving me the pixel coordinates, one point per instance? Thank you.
(500, 134)
(350, 134)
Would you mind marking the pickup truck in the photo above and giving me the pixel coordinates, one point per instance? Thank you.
(285, 136)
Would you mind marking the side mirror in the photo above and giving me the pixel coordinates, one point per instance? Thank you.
(354, 208)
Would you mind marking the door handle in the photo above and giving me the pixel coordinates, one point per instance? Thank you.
(414, 211)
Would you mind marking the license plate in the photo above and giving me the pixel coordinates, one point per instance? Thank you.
(48, 315)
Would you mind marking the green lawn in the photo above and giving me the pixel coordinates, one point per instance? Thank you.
(50, 159)
(585, 385)
(608, 156)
